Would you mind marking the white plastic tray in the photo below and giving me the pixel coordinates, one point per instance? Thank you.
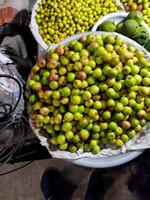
(107, 157)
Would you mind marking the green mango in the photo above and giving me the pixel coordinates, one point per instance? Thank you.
(108, 26)
(130, 28)
(143, 32)
(142, 36)
(119, 27)
(137, 15)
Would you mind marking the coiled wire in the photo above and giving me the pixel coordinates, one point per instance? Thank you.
(16, 124)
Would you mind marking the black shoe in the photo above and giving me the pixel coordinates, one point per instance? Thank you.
(52, 185)
(96, 188)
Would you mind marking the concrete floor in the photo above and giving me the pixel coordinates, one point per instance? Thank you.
(24, 184)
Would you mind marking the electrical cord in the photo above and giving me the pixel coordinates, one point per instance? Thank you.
(22, 129)
(16, 169)
(8, 121)
(16, 122)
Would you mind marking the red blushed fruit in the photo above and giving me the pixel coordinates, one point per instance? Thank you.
(140, 7)
(127, 8)
(41, 62)
(81, 75)
(53, 77)
(126, 125)
(51, 64)
(60, 50)
(128, 56)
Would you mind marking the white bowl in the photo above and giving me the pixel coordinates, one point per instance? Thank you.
(116, 18)
(88, 159)
(34, 27)
(107, 162)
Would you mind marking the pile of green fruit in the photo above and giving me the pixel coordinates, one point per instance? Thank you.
(59, 19)
(130, 27)
(93, 92)
(140, 5)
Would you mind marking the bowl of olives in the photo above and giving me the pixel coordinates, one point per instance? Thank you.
(53, 21)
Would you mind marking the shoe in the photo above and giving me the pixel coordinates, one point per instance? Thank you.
(96, 187)
(52, 184)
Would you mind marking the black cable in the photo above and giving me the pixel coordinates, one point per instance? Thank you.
(11, 171)
(25, 132)
(26, 154)
(5, 155)
(19, 124)
(20, 127)
(8, 120)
